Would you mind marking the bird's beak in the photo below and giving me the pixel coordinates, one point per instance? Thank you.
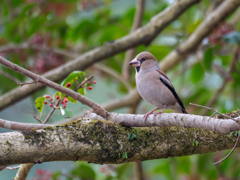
(135, 63)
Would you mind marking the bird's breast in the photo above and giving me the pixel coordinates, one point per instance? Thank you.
(153, 91)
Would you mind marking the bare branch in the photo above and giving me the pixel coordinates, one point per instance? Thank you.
(20, 126)
(99, 110)
(9, 77)
(172, 119)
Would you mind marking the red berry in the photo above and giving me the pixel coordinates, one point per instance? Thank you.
(50, 99)
(90, 87)
(50, 105)
(88, 82)
(64, 105)
(94, 82)
(68, 85)
(57, 97)
(45, 102)
(47, 96)
(65, 100)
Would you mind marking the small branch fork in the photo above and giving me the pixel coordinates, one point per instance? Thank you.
(217, 112)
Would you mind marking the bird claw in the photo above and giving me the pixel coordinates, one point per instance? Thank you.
(160, 112)
(146, 115)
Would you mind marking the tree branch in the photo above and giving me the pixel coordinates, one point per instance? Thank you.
(136, 24)
(96, 108)
(141, 36)
(105, 142)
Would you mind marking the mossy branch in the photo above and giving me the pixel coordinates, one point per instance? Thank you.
(107, 142)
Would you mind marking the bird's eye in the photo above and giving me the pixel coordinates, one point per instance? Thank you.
(143, 59)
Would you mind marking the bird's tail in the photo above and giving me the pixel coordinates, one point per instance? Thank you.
(184, 111)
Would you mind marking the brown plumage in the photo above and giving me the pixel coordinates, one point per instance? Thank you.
(154, 86)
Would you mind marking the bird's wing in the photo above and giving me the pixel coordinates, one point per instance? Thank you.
(164, 79)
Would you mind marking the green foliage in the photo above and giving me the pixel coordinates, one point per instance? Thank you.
(72, 77)
(131, 136)
(124, 155)
(39, 103)
(84, 171)
(207, 59)
(197, 73)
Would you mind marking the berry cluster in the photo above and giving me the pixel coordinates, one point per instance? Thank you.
(64, 100)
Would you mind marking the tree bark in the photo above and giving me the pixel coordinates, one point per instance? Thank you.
(103, 142)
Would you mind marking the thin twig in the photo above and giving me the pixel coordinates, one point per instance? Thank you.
(12, 168)
(32, 82)
(216, 111)
(9, 77)
(83, 82)
(37, 119)
(234, 147)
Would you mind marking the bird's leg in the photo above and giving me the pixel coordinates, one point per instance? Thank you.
(151, 112)
(160, 112)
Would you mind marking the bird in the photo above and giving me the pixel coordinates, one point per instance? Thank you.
(154, 86)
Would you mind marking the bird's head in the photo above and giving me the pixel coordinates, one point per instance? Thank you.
(144, 61)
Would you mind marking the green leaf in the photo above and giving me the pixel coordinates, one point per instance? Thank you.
(236, 133)
(197, 143)
(71, 77)
(124, 155)
(131, 136)
(207, 59)
(70, 99)
(232, 37)
(230, 134)
(39, 102)
(82, 91)
(197, 73)
(193, 143)
(69, 113)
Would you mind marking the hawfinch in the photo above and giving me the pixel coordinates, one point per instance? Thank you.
(154, 86)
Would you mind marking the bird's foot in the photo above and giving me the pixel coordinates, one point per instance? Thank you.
(151, 112)
(160, 112)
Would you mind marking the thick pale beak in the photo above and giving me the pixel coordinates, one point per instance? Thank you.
(135, 63)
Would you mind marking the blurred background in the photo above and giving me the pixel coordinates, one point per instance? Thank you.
(41, 35)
